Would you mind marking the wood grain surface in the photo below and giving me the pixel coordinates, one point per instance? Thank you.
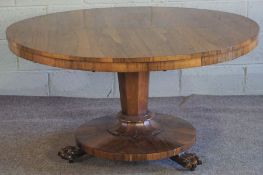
(133, 39)
(134, 92)
(136, 141)
(135, 133)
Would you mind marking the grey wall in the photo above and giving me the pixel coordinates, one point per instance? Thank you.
(21, 77)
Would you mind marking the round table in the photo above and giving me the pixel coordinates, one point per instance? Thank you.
(134, 41)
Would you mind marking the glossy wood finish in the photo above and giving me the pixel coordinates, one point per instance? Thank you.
(145, 142)
(135, 133)
(134, 93)
(133, 39)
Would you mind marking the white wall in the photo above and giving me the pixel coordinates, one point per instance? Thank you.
(21, 77)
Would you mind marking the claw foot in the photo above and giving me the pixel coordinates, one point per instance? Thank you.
(71, 153)
(187, 160)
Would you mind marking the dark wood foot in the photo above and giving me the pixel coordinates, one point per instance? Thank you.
(71, 153)
(187, 160)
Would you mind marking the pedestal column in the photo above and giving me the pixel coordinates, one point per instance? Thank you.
(134, 90)
(135, 133)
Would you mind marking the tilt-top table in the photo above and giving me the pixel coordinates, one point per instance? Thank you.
(134, 41)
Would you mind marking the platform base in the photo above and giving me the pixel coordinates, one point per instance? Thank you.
(160, 136)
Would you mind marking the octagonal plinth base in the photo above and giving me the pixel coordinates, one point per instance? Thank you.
(161, 136)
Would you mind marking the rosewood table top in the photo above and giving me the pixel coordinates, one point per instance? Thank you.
(133, 39)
